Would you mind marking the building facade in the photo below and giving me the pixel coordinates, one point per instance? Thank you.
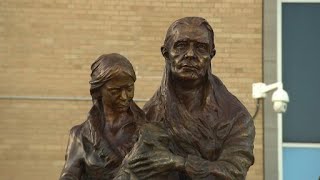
(47, 48)
(291, 55)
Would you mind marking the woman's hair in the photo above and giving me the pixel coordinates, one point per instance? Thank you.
(105, 68)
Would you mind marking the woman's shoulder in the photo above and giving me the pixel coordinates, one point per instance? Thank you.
(78, 130)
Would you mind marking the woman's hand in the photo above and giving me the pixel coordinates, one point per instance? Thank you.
(155, 162)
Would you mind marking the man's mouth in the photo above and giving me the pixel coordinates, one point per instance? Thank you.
(189, 67)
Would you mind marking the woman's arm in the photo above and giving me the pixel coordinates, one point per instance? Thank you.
(73, 167)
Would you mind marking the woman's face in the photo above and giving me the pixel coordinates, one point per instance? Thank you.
(118, 92)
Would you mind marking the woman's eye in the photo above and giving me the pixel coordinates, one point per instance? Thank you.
(130, 88)
(114, 91)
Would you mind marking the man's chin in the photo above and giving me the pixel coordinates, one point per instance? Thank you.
(190, 75)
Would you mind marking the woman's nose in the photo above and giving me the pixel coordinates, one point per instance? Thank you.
(124, 95)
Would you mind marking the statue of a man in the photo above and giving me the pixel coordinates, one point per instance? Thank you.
(211, 133)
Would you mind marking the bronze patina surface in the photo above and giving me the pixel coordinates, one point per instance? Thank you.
(208, 133)
(196, 128)
(97, 146)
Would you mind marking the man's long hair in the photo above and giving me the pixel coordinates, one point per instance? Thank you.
(189, 21)
(165, 107)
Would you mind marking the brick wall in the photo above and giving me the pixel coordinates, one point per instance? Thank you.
(47, 47)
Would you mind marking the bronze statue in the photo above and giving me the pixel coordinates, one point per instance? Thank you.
(152, 138)
(208, 133)
(97, 147)
(197, 129)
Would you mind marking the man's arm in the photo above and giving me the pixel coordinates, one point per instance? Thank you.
(233, 163)
(236, 156)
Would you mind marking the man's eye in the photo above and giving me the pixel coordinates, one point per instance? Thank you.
(181, 45)
(202, 47)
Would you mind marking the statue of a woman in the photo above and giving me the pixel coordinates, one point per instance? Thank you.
(97, 146)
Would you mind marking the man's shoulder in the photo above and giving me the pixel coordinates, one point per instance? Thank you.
(226, 99)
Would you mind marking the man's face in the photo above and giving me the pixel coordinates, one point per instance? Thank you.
(189, 52)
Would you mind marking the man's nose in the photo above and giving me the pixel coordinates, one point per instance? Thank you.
(190, 52)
